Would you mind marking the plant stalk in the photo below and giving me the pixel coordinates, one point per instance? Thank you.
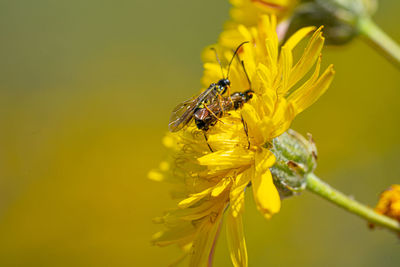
(379, 40)
(315, 185)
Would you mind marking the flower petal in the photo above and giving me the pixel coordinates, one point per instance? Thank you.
(282, 118)
(298, 36)
(204, 241)
(194, 198)
(227, 159)
(174, 217)
(306, 96)
(251, 117)
(221, 187)
(175, 235)
(265, 193)
(310, 82)
(237, 191)
(236, 240)
(307, 60)
(285, 66)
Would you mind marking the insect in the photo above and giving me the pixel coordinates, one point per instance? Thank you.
(185, 111)
(204, 118)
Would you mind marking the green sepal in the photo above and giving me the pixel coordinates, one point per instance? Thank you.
(295, 158)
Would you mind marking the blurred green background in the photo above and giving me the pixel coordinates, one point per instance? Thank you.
(86, 89)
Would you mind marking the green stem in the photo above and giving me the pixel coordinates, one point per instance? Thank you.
(379, 40)
(315, 185)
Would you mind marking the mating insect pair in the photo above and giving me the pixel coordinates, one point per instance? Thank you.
(206, 117)
(210, 105)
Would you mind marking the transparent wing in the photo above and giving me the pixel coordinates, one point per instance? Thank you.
(182, 114)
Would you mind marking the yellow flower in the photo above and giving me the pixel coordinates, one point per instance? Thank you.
(389, 202)
(248, 12)
(209, 184)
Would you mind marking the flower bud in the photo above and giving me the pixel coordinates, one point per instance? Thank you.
(295, 158)
(389, 203)
(339, 17)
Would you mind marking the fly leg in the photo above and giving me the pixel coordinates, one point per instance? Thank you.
(220, 103)
(229, 95)
(212, 113)
(206, 138)
(246, 131)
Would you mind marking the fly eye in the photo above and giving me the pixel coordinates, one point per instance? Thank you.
(224, 83)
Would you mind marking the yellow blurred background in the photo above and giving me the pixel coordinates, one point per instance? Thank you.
(86, 90)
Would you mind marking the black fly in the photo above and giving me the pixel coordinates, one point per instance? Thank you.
(185, 111)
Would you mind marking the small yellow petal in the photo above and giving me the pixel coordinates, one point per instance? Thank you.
(282, 118)
(305, 98)
(227, 159)
(244, 32)
(221, 187)
(236, 240)
(174, 235)
(248, 60)
(285, 66)
(307, 60)
(194, 198)
(292, 42)
(204, 242)
(265, 193)
(267, 78)
(237, 191)
(252, 119)
(295, 93)
(264, 160)
(189, 214)
(212, 73)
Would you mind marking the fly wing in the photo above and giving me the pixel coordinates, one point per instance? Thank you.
(183, 113)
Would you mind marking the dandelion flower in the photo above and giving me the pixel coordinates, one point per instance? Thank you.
(248, 12)
(211, 184)
(389, 202)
